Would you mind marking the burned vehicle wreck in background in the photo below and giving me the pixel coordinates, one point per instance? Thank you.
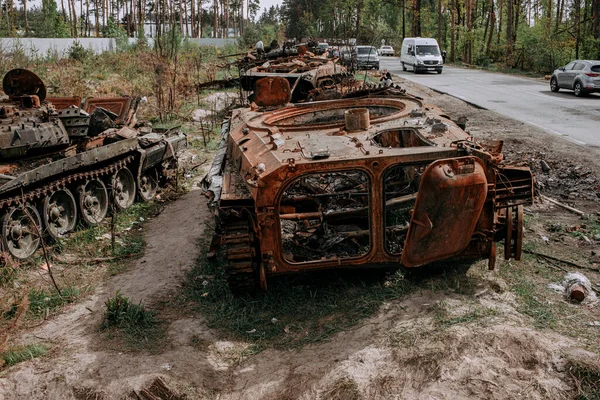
(308, 77)
(61, 161)
(359, 183)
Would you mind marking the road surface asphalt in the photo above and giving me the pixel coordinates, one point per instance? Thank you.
(525, 99)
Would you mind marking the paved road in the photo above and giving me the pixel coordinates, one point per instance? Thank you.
(527, 100)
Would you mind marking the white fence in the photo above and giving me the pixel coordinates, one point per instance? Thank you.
(38, 47)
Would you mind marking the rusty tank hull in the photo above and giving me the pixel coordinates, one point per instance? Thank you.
(359, 183)
(305, 75)
(62, 161)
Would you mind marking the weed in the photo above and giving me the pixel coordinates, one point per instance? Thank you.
(16, 355)
(530, 304)
(42, 301)
(296, 310)
(587, 380)
(139, 326)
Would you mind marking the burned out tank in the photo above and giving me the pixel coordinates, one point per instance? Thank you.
(61, 161)
(308, 78)
(359, 183)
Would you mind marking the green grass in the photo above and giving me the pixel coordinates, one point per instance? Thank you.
(95, 242)
(533, 304)
(303, 308)
(42, 301)
(360, 76)
(18, 354)
(139, 327)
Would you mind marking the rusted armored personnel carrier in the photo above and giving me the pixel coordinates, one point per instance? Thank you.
(359, 183)
(63, 161)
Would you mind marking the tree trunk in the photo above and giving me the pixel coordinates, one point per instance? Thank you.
(216, 13)
(452, 30)
(577, 6)
(500, 13)
(73, 19)
(439, 22)
(403, 19)
(416, 25)
(64, 12)
(492, 25)
(193, 21)
(25, 12)
(509, 33)
(359, 7)
(596, 25)
(226, 18)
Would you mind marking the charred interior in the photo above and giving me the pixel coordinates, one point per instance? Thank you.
(400, 186)
(325, 216)
(408, 137)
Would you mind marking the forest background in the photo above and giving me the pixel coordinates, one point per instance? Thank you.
(530, 35)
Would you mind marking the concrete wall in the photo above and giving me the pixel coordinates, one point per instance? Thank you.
(217, 42)
(38, 47)
(200, 42)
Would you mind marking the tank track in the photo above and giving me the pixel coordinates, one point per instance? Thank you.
(241, 267)
(46, 189)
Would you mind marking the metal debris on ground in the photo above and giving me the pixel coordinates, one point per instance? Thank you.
(577, 287)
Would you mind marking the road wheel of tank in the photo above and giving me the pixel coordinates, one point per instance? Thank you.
(21, 230)
(93, 201)
(513, 239)
(554, 85)
(579, 90)
(242, 261)
(123, 189)
(59, 213)
(403, 67)
(148, 184)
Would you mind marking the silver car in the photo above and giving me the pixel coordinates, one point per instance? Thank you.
(386, 51)
(366, 57)
(581, 76)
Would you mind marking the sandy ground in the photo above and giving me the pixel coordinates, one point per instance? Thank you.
(400, 353)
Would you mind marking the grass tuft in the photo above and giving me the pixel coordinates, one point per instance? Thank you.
(43, 301)
(139, 327)
(16, 355)
(587, 380)
(531, 304)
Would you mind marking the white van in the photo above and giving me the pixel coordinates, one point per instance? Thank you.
(421, 54)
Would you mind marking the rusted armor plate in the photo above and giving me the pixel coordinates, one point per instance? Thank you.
(449, 202)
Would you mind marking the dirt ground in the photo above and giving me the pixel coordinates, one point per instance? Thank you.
(412, 348)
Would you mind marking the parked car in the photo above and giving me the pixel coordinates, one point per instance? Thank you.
(367, 57)
(421, 54)
(322, 48)
(580, 76)
(386, 51)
